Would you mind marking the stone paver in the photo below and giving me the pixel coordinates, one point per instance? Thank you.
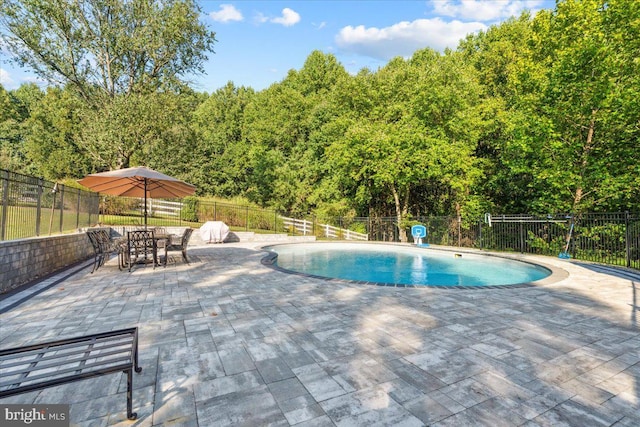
(227, 341)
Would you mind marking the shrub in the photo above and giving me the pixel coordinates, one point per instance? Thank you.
(189, 210)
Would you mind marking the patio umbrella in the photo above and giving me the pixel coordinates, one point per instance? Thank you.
(137, 182)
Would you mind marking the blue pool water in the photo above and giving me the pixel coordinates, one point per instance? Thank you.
(404, 265)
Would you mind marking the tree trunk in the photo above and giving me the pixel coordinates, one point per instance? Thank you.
(584, 162)
(401, 212)
(123, 162)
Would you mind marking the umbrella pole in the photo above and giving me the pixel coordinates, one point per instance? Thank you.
(145, 203)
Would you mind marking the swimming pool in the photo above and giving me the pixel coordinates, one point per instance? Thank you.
(403, 265)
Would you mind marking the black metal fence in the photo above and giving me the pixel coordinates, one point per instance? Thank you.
(32, 206)
(190, 211)
(610, 238)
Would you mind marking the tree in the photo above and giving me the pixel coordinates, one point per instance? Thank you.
(579, 91)
(494, 54)
(136, 129)
(219, 161)
(15, 109)
(410, 127)
(51, 136)
(107, 47)
(283, 129)
(123, 58)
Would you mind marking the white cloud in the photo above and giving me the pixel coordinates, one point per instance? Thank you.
(6, 80)
(320, 25)
(289, 17)
(227, 13)
(259, 18)
(404, 38)
(483, 10)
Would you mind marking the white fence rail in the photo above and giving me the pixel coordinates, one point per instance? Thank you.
(305, 228)
(163, 208)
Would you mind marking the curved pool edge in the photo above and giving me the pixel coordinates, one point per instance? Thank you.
(557, 274)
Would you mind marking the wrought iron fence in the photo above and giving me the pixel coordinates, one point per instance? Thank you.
(610, 238)
(190, 211)
(32, 206)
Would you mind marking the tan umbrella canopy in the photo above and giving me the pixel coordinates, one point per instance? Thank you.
(137, 182)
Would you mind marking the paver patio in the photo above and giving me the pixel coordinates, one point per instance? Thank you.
(228, 341)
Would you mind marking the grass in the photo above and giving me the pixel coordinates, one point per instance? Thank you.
(21, 221)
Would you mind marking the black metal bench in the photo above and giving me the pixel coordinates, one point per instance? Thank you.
(49, 364)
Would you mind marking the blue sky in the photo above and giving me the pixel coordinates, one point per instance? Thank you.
(260, 41)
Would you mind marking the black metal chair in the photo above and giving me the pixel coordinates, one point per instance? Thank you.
(182, 244)
(140, 244)
(98, 256)
(103, 246)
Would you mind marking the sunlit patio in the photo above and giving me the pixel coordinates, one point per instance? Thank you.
(226, 340)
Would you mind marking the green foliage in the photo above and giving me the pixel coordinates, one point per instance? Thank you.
(112, 205)
(107, 47)
(190, 206)
(575, 125)
(218, 162)
(543, 245)
(536, 114)
(358, 227)
(408, 222)
(51, 136)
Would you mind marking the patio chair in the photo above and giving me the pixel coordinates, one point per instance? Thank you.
(182, 244)
(159, 230)
(98, 255)
(140, 244)
(103, 246)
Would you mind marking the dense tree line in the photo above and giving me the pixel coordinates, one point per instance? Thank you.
(537, 114)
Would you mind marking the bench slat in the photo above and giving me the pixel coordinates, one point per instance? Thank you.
(116, 365)
(106, 358)
(85, 339)
(95, 352)
(100, 354)
(37, 349)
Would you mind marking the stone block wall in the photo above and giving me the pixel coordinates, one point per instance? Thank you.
(24, 260)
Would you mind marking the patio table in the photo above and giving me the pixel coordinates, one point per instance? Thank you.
(142, 249)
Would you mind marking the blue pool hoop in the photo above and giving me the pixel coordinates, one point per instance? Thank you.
(419, 232)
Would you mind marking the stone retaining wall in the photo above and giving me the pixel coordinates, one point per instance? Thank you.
(24, 260)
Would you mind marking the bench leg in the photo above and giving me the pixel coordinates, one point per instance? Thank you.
(130, 414)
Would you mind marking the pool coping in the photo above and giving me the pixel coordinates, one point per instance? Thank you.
(557, 274)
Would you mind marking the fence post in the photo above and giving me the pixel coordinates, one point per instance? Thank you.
(39, 206)
(521, 237)
(247, 212)
(480, 233)
(61, 208)
(78, 209)
(90, 206)
(627, 239)
(5, 203)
